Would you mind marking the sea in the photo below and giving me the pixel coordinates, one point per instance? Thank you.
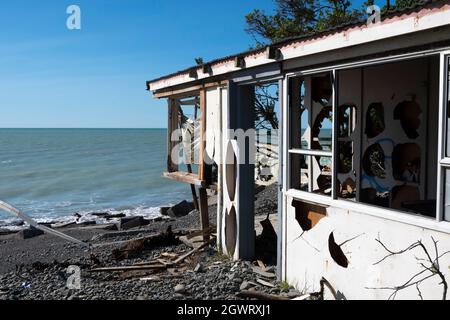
(51, 174)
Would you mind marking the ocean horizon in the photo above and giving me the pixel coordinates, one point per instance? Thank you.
(53, 173)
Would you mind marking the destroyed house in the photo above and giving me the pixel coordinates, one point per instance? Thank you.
(363, 152)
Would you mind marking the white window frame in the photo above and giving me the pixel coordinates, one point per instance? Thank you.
(438, 224)
(444, 160)
(311, 152)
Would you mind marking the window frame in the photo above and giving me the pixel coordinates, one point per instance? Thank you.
(444, 160)
(311, 152)
(439, 223)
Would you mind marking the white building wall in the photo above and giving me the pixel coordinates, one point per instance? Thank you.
(308, 257)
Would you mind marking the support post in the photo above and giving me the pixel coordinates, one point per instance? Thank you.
(204, 213)
(172, 164)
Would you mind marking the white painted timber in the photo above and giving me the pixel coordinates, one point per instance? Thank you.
(422, 20)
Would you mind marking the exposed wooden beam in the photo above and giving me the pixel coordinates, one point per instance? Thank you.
(185, 177)
(273, 53)
(206, 68)
(201, 162)
(239, 62)
(193, 74)
(172, 164)
(187, 91)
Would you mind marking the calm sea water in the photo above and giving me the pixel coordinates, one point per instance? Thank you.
(53, 173)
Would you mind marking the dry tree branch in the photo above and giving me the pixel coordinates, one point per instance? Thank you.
(417, 279)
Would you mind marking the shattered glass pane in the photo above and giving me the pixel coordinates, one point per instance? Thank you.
(311, 112)
(300, 172)
(447, 195)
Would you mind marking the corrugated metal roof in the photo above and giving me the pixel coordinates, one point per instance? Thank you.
(393, 12)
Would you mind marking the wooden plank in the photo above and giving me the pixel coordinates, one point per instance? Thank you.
(129, 268)
(204, 214)
(187, 91)
(187, 255)
(185, 177)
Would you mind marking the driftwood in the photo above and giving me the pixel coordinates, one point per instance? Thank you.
(129, 268)
(152, 265)
(134, 248)
(260, 296)
(264, 274)
(183, 257)
(265, 283)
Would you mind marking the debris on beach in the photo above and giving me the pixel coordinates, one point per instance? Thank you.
(34, 224)
(165, 258)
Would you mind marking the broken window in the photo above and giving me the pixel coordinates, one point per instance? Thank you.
(188, 160)
(386, 159)
(311, 118)
(346, 171)
(447, 167)
(448, 107)
(386, 133)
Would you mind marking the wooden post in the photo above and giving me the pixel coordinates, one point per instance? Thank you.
(204, 213)
(202, 148)
(172, 125)
(194, 193)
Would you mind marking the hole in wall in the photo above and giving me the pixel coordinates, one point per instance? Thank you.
(308, 215)
(336, 252)
(374, 161)
(230, 230)
(406, 162)
(408, 112)
(231, 171)
(375, 120)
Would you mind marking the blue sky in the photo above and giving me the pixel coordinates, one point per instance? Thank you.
(95, 77)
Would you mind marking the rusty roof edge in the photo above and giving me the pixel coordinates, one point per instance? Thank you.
(338, 29)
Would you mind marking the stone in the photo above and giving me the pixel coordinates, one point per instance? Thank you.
(164, 211)
(245, 285)
(198, 268)
(180, 288)
(180, 210)
(237, 280)
(5, 232)
(29, 233)
(132, 222)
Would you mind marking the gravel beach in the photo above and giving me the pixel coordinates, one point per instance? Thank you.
(36, 268)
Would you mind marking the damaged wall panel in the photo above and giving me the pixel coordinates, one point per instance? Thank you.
(309, 257)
